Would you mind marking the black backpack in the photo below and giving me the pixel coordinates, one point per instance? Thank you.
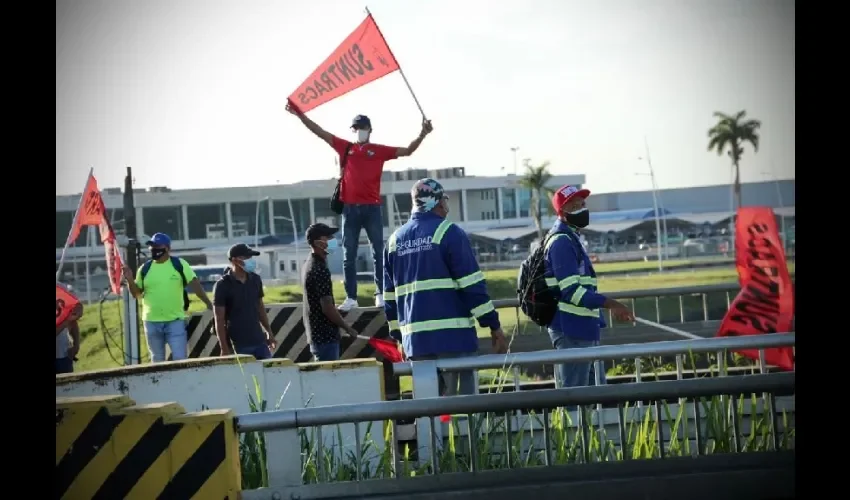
(336, 203)
(536, 299)
(175, 261)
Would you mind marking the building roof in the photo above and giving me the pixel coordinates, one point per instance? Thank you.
(616, 227)
(505, 233)
(624, 215)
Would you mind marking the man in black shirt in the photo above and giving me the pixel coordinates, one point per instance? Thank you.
(322, 320)
(241, 323)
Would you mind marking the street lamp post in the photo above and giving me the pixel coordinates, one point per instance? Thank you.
(781, 205)
(515, 149)
(294, 233)
(257, 222)
(657, 224)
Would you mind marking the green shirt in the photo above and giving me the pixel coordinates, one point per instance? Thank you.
(163, 291)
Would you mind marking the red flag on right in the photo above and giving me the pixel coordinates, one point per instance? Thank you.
(765, 303)
(361, 58)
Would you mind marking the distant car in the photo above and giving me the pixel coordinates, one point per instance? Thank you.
(209, 274)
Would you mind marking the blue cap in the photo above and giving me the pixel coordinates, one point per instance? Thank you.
(361, 121)
(426, 193)
(159, 240)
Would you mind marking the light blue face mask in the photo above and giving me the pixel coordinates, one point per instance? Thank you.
(249, 265)
(332, 246)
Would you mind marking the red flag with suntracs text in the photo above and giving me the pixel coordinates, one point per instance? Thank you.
(362, 58)
(765, 303)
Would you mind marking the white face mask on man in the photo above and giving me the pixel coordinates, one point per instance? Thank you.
(362, 135)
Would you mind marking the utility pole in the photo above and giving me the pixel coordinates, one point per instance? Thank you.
(658, 195)
(132, 342)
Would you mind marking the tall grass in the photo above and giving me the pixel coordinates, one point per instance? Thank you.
(513, 440)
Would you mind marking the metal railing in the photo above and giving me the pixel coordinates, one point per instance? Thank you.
(548, 402)
(689, 300)
(499, 403)
(552, 356)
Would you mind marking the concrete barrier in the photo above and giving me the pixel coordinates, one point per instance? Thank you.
(109, 447)
(287, 323)
(241, 384)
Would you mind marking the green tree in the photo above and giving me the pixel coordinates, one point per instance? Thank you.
(535, 179)
(730, 133)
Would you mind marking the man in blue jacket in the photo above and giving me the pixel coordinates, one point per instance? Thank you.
(434, 290)
(578, 320)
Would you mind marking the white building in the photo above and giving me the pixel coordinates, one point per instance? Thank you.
(198, 219)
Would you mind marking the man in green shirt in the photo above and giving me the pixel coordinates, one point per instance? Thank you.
(160, 286)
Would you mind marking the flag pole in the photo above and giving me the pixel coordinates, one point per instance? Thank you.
(399, 65)
(73, 225)
(89, 235)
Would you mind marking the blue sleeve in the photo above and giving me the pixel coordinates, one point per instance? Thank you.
(464, 270)
(390, 305)
(562, 259)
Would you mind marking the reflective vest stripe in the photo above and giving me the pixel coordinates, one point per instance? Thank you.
(483, 309)
(437, 324)
(440, 232)
(578, 311)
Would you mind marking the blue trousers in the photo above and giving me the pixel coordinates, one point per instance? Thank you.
(578, 374)
(172, 333)
(325, 352)
(355, 218)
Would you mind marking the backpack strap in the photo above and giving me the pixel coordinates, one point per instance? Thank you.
(178, 266)
(344, 157)
(576, 245)
(145, 268)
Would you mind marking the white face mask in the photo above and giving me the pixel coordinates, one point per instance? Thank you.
(362, 135)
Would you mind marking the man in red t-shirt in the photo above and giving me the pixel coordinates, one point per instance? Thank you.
(361, 193)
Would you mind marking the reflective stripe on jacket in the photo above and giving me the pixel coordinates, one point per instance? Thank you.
(433, 288)
(569, 269)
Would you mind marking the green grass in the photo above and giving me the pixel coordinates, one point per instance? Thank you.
(95, 354)
(570, 443)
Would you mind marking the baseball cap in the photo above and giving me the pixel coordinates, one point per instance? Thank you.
(361, 121)
(159, 240)
(319, 230)
(426, 193)
(241, 250)
(565, 194)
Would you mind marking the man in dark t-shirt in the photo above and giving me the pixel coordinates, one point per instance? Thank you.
(322, 320)
(241, 323)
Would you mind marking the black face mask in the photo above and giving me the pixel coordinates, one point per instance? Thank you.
(157, 253)
(579, 219)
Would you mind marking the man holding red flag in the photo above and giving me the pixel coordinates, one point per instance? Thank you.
(360, 170)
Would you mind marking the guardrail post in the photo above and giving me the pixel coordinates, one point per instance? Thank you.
(426, 384)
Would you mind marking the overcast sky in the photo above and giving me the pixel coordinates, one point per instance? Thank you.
(191, 93)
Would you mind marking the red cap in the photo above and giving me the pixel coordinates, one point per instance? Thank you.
(565, 194)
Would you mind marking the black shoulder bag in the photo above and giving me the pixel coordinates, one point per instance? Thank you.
(336, 202)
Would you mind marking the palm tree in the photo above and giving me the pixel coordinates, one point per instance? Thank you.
(535, 180)
(734, 131)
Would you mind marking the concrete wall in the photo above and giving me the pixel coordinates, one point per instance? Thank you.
(233, 381)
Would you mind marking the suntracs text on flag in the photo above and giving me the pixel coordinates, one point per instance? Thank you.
(361, 58)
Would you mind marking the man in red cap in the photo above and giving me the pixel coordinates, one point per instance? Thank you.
(578, 320)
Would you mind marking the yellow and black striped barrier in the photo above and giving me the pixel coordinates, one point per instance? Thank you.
(109, 448)
(287, 324)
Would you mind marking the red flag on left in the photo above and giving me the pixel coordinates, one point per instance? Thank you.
(92, 212)
(65, 303)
